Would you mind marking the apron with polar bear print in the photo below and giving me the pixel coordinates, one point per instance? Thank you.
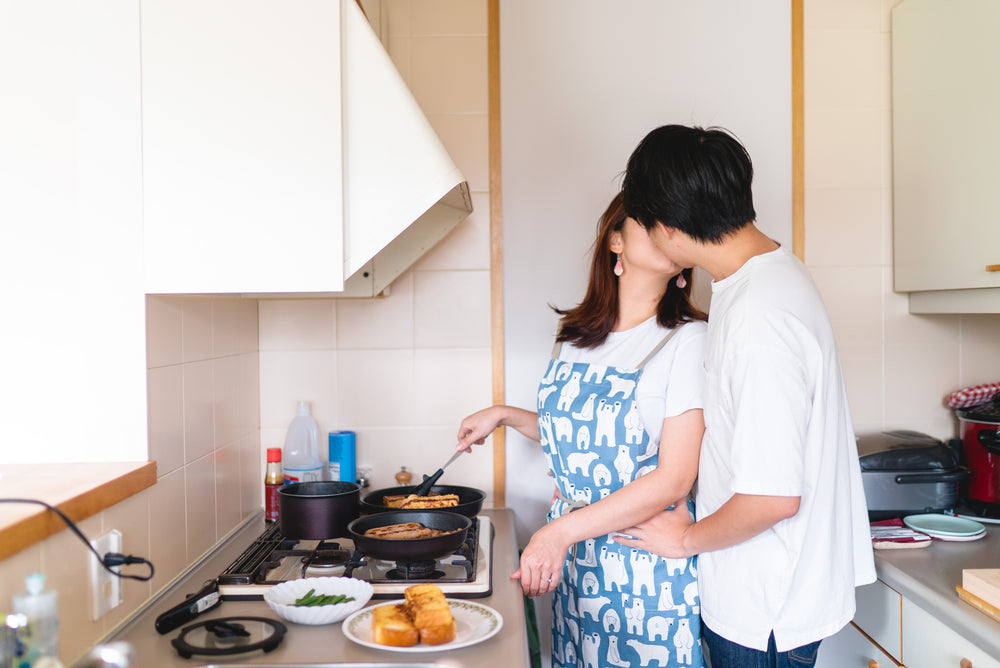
(615, 606)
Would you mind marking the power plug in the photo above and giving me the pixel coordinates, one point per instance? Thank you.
(105, 588)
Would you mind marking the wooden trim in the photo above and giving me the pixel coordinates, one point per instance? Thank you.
(798, 137)
(496, 250)
(78, 490)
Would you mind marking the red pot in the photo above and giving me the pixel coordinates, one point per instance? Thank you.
(980, 432)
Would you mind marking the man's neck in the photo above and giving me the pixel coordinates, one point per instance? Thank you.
(724, 258)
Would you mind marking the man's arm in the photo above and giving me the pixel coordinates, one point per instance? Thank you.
(743, 516)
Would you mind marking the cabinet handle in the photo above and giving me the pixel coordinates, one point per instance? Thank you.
(965, 663)
(992, 267)
(872, 663)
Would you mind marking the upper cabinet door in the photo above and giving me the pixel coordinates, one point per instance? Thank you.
(946, 211)
(241, 132)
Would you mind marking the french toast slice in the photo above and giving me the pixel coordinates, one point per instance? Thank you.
(431, 613)
(422, 502)
(392, 625)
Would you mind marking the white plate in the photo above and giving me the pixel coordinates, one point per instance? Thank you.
(944, 526)
(474, 623)
(981, 534)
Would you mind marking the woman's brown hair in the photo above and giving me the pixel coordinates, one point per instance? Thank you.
(588, 324)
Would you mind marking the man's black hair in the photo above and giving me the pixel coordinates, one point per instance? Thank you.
(692, 179)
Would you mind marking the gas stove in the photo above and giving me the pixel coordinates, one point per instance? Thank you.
(273, 558)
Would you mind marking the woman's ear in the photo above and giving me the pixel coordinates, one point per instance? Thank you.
(615, 242)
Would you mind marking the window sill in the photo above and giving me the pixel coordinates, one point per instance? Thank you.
(79, 490)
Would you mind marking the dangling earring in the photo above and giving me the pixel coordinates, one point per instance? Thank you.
(619, 269)
(681, 281)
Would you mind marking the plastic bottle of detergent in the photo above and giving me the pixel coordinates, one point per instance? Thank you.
(41, 608)
(301, 457)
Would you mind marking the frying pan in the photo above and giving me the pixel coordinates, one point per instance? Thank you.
(410, 549)
(470, 500)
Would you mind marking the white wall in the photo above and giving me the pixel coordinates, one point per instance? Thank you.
(582, 83)
(72, 351)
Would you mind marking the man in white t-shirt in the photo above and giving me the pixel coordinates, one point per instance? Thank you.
(782, 532)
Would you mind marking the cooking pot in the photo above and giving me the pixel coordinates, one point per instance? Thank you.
(318, 510)
(410, 549)
(980, 432)
(470, 500)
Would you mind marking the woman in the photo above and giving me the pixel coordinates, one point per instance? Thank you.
(620, 418)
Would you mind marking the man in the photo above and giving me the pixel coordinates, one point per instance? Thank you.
(782, 532)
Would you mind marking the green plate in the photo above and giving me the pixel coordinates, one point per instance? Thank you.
(943, 525)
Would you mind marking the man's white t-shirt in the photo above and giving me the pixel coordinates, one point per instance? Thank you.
(778, 424)
(672, 382)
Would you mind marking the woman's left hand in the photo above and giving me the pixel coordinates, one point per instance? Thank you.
(541, 562)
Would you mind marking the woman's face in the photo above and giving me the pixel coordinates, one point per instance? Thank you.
(640, 251)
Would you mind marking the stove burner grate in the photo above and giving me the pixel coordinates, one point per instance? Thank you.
(267, 553)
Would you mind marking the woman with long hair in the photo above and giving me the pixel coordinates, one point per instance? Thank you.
(619, 416)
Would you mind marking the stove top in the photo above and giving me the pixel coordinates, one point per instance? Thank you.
(272, 559)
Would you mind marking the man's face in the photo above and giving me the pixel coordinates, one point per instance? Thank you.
(671, 242)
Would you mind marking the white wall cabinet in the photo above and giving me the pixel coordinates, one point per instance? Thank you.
(946, 206)
(72, 348)
(241, 130)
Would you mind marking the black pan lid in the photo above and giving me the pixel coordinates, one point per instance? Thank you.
(229, 635)
(988, 412)
(904, 450)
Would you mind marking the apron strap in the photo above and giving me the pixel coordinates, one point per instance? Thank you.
(557, 348)
(572, 503)
(659, 346)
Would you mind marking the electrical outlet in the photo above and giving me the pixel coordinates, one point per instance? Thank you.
(105, 588)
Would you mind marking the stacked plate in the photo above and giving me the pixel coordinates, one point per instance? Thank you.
(946, 527)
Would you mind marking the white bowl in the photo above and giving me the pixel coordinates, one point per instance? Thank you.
(280, 598)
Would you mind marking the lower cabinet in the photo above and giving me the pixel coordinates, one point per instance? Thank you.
(850, 648)
(927, 643)
(890, 631)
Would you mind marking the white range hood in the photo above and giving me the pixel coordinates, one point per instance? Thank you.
(402, 191)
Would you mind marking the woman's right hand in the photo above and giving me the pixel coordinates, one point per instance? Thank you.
(475, 428)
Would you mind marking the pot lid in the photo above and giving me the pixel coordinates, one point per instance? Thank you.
(904, 450)
(988, 412)
(229, 635)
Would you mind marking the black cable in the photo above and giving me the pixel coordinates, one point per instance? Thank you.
(108, 560)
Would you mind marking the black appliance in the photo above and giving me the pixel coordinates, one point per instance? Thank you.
(907, 472)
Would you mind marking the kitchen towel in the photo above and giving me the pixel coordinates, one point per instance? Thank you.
(973, 396)
(893, 534)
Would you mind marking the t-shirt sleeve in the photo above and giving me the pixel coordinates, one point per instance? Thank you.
(771, 407)
(686, 381)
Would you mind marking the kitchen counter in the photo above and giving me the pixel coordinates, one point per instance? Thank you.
(327, 644)
(79, 490)
(928, 577)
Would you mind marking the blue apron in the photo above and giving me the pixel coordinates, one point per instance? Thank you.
(615, 605)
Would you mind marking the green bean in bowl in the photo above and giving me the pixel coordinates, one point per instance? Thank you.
(313, 599)
(318, 600)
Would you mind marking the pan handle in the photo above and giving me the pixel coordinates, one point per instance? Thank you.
(958, 475)
(990, 440)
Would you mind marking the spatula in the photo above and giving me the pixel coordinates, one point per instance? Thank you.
(426, 485)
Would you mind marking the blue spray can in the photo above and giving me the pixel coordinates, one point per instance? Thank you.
(343, 457)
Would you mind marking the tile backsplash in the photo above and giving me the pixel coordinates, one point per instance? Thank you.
(202, 371)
